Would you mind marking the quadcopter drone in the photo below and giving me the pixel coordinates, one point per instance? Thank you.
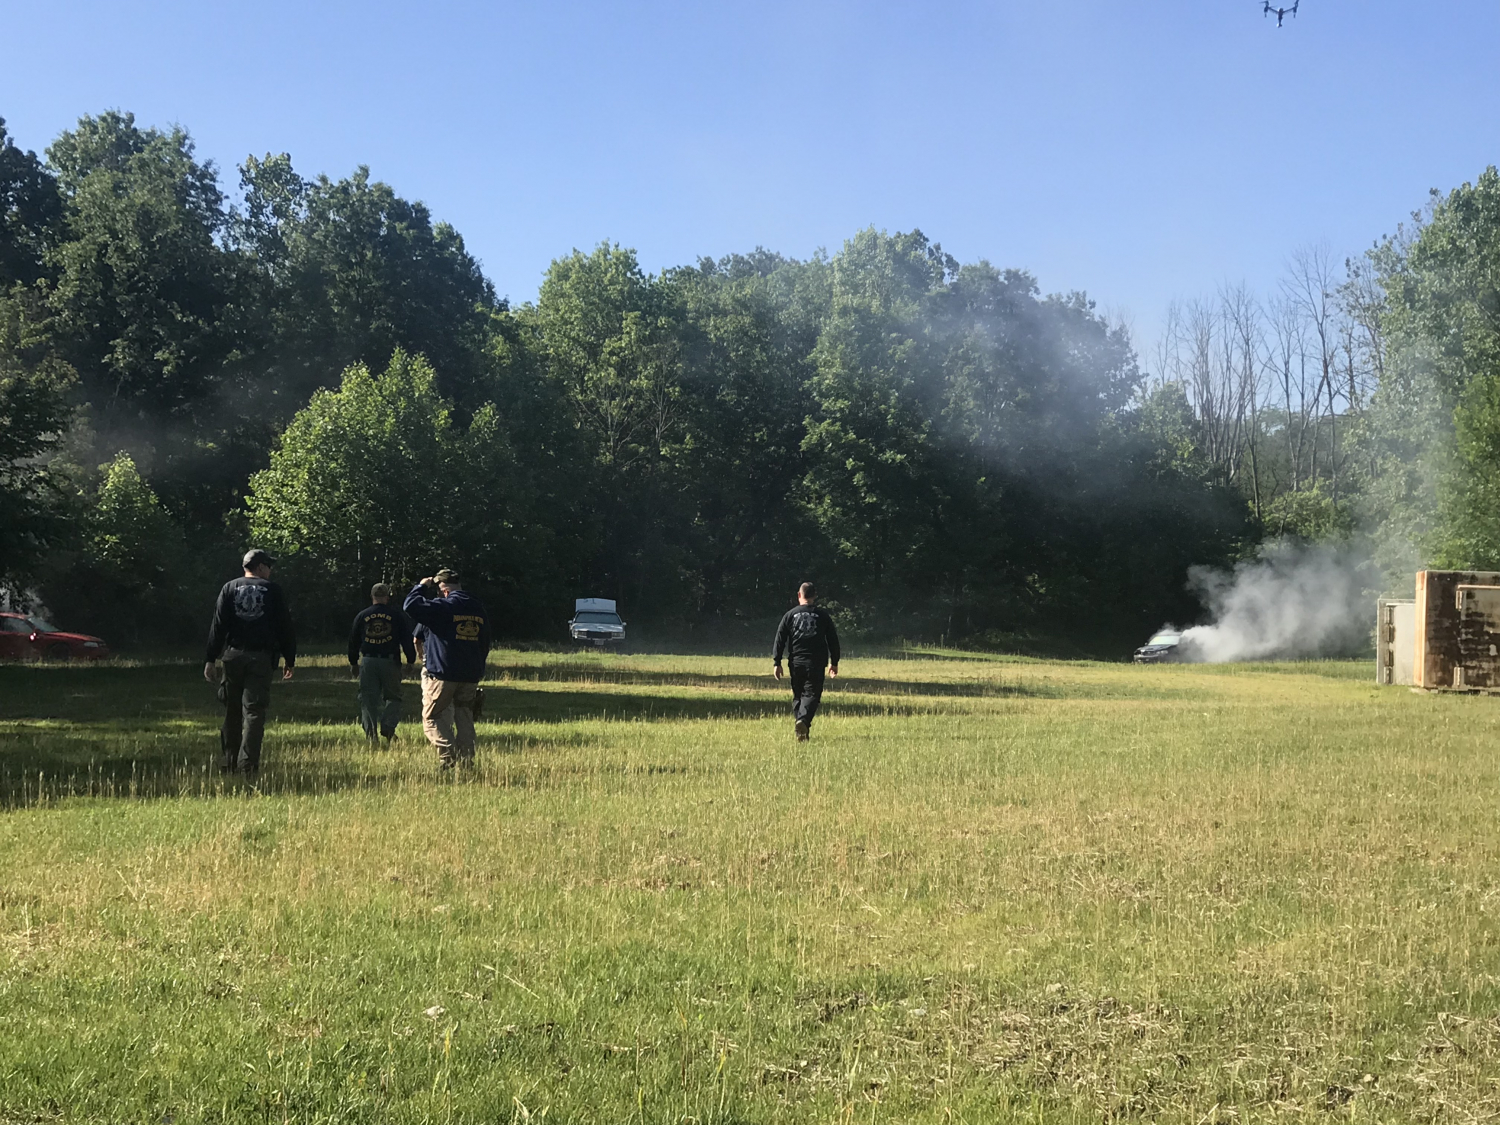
(1281, 13)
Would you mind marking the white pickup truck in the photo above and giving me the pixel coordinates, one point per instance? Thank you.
(596, 623)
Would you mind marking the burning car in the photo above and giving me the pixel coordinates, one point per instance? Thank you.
(1163, 648)
(31, 638)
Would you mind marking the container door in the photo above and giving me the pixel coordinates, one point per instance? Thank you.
(1478, 637)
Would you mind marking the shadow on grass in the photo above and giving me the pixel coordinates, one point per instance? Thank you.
(138, 732)
(740, 682)
(40, 767)
(152, 699)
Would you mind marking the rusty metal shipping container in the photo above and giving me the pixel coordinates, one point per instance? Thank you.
(1457, 617)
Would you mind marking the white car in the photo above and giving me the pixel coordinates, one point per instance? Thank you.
(596, 623)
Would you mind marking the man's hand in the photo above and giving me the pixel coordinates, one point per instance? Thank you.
(833, 669)
(286, 673)
(776, 671)
(211, 672)
(354, 671)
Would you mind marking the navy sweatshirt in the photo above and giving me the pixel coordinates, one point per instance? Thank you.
(458, 634)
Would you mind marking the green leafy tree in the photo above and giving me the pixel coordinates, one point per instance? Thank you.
(345, 272)
(1435, 431)
(1164, 418)
(870, 440)
(127, 573)
(377, 481)
(35, 412)
(30, 210)
(945, 448)
(130, 531)
(140, 279)
(610, 345)
(36, 385)
(610, 339)
(745, 398)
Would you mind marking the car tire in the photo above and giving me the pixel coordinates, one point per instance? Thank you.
(59, 652)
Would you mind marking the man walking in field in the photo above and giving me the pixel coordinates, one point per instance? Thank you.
(381, 633)
(807, 631)
(457, 644)
(251, 627)
(419, 638)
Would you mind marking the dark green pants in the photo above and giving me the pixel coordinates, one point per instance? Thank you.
(379, 694)
(247, 698)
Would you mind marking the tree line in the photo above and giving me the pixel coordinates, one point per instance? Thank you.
(322, 366)
(1359, 403)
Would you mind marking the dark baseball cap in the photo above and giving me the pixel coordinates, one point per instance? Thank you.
(256, 557)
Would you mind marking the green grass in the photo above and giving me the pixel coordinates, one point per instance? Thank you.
(988, 890)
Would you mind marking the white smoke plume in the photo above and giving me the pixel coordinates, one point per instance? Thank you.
(1289, 601)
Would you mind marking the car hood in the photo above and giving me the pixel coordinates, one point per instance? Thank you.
(69, 637)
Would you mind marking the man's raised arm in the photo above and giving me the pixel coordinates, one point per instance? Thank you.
(419, 607)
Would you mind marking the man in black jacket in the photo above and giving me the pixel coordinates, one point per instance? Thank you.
(808, 632)
(251, 626)
(381, 633)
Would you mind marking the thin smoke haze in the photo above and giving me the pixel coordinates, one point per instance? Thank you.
(1289, 601)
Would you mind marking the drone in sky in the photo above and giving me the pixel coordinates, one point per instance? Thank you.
(1281, 13)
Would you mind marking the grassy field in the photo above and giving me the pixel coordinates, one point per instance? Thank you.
(988, 890)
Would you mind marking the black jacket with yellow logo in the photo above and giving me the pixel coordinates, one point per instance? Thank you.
(381, 630)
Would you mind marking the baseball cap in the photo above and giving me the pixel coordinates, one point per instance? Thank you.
(380, 590)
(256, 557)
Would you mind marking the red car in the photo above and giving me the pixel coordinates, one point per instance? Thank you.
(31, 638)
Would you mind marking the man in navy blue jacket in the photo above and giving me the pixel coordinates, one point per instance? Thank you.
(458, 642)
(380, 634)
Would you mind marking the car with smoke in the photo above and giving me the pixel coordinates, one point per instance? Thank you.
(27, 637)
(1165, 647)
(596, 623)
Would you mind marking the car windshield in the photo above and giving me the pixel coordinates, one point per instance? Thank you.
(41, 626)
(1164, 639)
(598, 619)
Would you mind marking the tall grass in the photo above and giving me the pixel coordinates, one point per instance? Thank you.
(988, 890)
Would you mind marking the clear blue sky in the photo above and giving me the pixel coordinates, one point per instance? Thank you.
(1140, 151)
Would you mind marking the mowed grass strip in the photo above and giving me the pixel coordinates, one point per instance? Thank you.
(988, 890)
